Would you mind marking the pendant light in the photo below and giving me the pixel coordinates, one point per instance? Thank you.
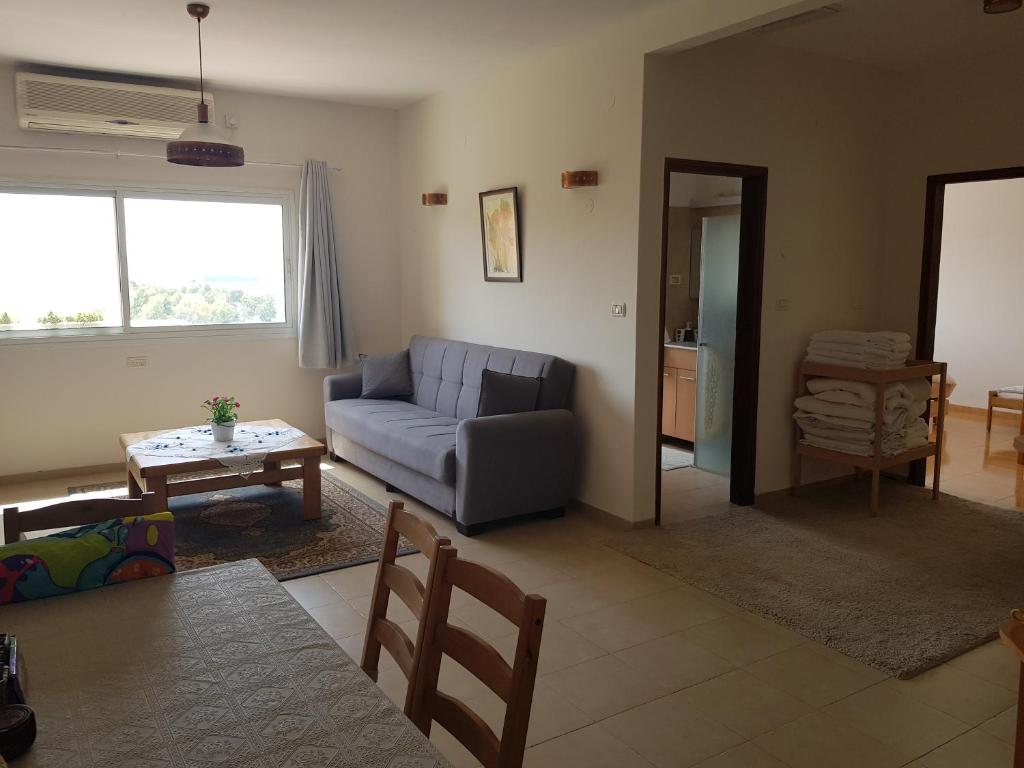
(202, 144)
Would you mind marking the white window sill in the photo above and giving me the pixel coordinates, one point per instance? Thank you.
(85, 337)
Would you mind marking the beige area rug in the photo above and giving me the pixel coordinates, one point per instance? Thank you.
(903, 592)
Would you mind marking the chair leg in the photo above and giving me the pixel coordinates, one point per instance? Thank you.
(988, 421)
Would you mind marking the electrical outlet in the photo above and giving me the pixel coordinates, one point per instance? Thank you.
(675, 279)
(139, 361)
(782, 305)
(618, 310)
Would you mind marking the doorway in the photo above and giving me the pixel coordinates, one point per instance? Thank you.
(970, 278)
(713, 217)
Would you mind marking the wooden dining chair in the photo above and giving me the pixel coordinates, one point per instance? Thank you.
(393, 577)
(1012, 635)
(68, 514)
(513, 684)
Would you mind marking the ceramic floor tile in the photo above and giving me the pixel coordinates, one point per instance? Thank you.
(744, 756)
(743, 638)
(957, 693)
(674, 661)
(897, 720)
(816, 740)
(975, 749)
(551, 714)
(352, 582)
(311, 591)
(992, 662)
(744, 704)
(484, 621)
(590, 747)
(646, 618)
(338, 619)
(814, 674)
(560, 647)
(604, 686)
(571, 598)
(670, 733)
(1003, 726)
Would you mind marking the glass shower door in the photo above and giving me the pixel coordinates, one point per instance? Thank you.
(716, 362)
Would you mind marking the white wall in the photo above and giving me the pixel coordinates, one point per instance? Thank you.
(978, 329)
(959, 118)
(818, 125)
(577, 107)
(63, 404)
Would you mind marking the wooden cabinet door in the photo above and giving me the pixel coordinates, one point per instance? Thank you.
(686, 404)
(668, 404)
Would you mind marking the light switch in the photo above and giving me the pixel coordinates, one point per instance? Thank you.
(140, 361)
(782, 305)
(675, 279)
(618, 310)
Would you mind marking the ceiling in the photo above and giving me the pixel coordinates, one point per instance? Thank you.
(903, 35)
(383, 52)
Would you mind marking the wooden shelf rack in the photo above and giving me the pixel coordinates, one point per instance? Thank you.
(914, 369)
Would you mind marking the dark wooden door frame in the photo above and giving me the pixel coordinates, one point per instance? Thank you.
(928, 299)
(753, 213)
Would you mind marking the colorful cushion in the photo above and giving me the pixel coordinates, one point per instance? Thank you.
(83, 558)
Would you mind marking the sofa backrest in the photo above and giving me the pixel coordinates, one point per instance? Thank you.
(446, 374)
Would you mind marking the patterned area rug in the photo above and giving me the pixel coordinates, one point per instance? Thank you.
(905, 591)
(266, 523)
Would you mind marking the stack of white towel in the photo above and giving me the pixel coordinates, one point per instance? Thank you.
(875, 350)
(840, 415)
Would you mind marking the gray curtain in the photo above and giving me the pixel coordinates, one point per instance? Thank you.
(321, 340)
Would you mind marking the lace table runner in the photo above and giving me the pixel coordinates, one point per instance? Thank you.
(243, 455)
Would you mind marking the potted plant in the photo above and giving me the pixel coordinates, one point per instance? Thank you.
(223, 415)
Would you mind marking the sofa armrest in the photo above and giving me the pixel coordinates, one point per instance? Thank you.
(513, 464)
(343, 386)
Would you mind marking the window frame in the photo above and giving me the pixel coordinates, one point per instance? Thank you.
(125, 331)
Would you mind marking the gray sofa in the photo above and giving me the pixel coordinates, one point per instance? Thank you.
(435, 448)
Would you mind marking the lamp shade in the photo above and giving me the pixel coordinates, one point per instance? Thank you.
(202, 144)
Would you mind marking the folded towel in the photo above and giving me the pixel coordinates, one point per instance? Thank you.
(875, 338)
(852, 428)
(862, 354)
(869, 349)
(915, 389)
(872, 365)
(894, 417)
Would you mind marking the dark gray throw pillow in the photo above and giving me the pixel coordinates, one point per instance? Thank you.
(387, 375)
(507, 393)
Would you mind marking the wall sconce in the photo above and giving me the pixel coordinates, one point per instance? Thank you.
(435, 198)
(573, 179)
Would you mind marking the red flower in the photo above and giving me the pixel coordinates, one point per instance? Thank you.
(216, 398)
(237, 404)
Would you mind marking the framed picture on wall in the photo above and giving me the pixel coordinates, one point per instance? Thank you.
(499, 230)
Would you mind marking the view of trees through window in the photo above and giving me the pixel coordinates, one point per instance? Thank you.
(189, 262)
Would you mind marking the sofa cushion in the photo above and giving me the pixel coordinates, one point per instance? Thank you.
(406, 433)
(387, 376)
(502, 393)
(447, 374)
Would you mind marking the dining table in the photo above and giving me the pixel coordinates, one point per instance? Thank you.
(218, 666)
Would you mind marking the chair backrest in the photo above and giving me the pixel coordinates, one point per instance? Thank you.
(68, 514)
(446, 374)
(393, 577)
(513, 684)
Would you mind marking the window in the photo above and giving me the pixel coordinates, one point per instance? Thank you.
(184, 263)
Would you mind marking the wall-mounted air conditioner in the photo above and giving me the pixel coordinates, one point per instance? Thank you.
(73, 105)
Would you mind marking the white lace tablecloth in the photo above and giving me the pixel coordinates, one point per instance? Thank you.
(243, 455)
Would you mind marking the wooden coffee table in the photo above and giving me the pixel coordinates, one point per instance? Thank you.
(150, 473)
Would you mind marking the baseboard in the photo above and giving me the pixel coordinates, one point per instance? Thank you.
(608, 518)
(50, 474)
